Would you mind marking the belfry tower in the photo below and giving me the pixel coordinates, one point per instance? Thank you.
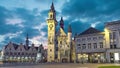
(52, 23)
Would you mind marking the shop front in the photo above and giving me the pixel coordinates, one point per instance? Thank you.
(91, 58)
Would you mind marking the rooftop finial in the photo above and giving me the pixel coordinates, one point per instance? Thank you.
(27, 36)
(52, 7)
(69, 28)
(62, 23)
(27, 40)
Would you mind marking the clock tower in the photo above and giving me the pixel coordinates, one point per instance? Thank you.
(52, 23)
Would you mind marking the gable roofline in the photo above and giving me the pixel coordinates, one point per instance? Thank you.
(90, 30)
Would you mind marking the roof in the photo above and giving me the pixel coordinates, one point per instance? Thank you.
(90, 30)
(113, 23)
(16, 46)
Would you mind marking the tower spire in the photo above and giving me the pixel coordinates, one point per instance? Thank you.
(52, 7)
(69, 28)
(62, 23)
(27, 40)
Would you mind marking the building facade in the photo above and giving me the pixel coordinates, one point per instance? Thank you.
(22, 53)
(59, 42)
(95, 46)
(112, 30)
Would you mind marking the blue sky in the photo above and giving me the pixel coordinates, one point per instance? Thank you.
(18, 17)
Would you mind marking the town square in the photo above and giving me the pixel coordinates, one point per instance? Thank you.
(59, 34)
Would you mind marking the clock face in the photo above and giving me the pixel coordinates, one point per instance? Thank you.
(50, 26)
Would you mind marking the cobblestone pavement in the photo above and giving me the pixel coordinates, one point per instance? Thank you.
(56, 65)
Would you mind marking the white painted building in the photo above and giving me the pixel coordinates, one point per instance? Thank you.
(95, 46)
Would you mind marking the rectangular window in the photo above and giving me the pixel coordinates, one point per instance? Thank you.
(114, 35)
(78, 40)
(89, 45)
(101, 44)
(88, 39)
(84, 46)
(115, 46)
(101, 37)
(110, 35)
(79, 46)
(94, 38)
(83, 39)
(95, 45)
(111, 46)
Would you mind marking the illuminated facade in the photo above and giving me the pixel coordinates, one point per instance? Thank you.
(59, 42)
(95, 46)
(12, 53)
(112, 31)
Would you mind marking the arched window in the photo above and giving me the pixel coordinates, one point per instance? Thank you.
(51, 16)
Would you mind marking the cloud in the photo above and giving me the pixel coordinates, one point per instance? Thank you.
(30, 16)
(90, 13)
(94, 24)
(8, 37)
(41, 26)
(40, 39)
(15, 24)
(15, 21)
